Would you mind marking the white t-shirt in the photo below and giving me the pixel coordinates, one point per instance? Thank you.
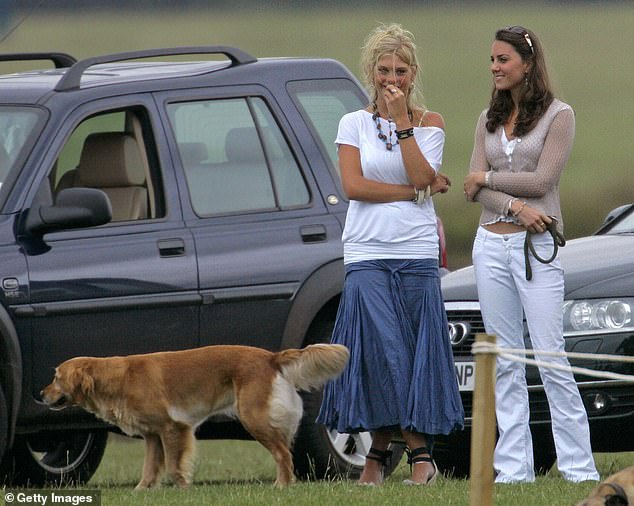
(401, 230)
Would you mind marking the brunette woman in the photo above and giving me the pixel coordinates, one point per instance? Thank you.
(522, 144)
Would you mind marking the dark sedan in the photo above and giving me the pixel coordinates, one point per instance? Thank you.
(598, 314)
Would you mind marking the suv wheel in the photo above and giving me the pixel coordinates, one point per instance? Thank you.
(4, 424)
(54, 458)
(319, 453)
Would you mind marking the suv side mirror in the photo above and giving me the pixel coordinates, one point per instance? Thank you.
(73, 208)
(612, 215)
(615, 213)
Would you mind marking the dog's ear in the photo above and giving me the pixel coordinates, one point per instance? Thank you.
(616, 500)
(88, 382)
(82, 380)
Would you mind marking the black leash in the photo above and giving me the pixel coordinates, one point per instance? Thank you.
(558, 241)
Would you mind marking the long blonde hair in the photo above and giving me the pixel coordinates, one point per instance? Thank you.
(391, 39)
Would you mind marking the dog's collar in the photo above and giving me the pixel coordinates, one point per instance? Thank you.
(619, 493)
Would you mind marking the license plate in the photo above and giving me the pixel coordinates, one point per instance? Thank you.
(465, 373)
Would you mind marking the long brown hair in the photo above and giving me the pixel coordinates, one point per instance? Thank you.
(535, 95)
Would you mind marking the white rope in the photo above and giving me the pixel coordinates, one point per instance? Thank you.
(492, 348)
(578, 370)
(511, 354)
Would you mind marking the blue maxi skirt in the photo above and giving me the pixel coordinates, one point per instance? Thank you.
(401, 371)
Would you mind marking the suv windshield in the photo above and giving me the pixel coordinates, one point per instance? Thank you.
(18, 128)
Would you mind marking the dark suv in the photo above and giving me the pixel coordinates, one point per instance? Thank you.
(150, 205)
(598, 315)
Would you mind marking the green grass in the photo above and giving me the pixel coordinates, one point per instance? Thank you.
(242, 473)
(588, 48)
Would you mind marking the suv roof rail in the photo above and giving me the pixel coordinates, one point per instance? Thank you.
(72, 77)
(60, 60)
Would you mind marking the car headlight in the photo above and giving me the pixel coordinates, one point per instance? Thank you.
(598, 315)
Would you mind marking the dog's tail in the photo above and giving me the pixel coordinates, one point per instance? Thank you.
(312, 366)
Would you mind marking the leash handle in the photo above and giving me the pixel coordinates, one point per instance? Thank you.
(558, 241)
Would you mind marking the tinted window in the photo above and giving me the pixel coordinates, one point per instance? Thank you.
(19, 127)
(235, 157)
(322, 104)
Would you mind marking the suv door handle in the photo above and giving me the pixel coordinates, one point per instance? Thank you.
(171, 247)
(313, 233)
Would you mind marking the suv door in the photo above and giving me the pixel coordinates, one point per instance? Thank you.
(259, 223)
(126, 287)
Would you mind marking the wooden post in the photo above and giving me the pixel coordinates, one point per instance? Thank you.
(483, 427)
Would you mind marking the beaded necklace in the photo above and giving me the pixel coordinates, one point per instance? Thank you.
(387, 139)
(377, 117)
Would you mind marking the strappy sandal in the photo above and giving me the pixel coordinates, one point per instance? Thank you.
(382, 457)
(415, 456)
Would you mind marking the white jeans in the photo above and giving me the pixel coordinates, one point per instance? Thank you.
(505, 296)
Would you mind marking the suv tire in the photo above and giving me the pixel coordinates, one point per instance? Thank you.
(322, 454)
(4, 425)
(319, 453)
(54, 458)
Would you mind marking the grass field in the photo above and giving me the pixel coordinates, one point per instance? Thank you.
(588, 48)
(242, 473)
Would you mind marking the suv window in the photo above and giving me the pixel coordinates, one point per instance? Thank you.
(70, 155)
(19, 127)
(235, 157)
(322, 103)
(114, 152)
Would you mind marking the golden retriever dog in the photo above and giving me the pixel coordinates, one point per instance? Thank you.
(615, 490)
(164, 396)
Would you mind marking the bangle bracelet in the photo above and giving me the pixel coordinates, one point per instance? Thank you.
(421, 195)
(509, 206)
(404, 134)
(522, 206)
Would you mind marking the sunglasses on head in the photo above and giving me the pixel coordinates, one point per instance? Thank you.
(520, 30)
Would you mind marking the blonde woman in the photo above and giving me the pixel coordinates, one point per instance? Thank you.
(391, 316)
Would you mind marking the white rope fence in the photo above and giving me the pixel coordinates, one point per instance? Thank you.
(514, 355)
(483, 430)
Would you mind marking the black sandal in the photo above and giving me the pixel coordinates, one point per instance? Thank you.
(421, 454)
(383, 457)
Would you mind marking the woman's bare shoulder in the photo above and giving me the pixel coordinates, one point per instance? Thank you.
(433, 119)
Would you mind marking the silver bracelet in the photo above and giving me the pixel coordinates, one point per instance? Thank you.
(509, 206)
(522, 206)
(421, 195)
(487, 179)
